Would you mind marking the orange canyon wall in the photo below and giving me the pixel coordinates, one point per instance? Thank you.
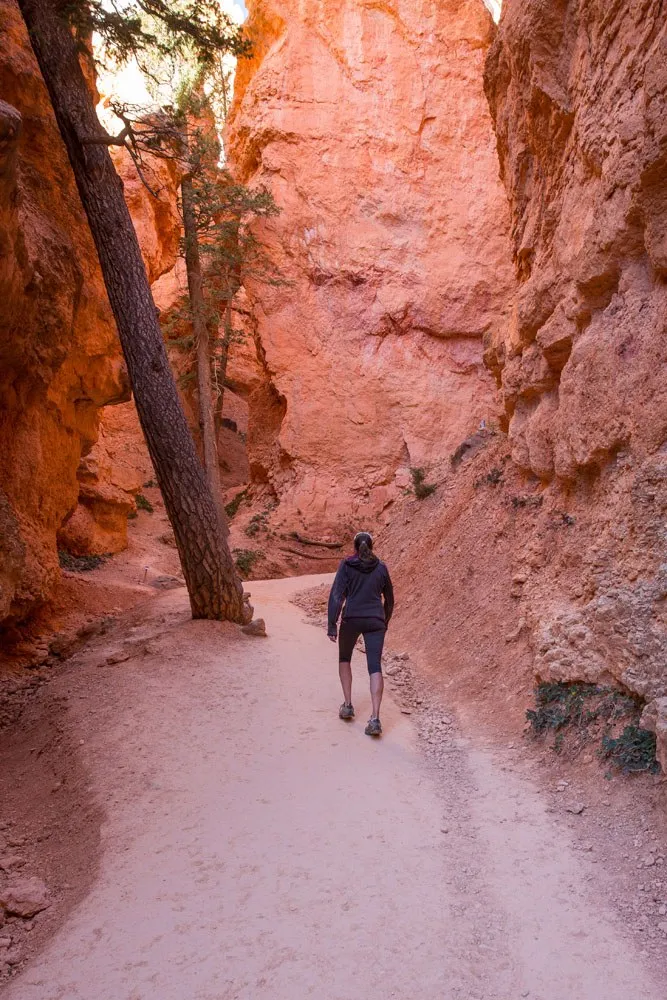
(59, 358)
(369, 124)
(546, 549)
(543, 551)
(578, 94)
(63, 480)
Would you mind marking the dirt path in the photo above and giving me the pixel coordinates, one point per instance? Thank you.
(256, 848)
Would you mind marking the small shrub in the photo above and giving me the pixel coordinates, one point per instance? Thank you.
(257, 523)
(149, 484)
(246, 559)
(422, 489)
(143, 504)
(632, 751)
(232, 507)
(527, 501)
(559, 705)
(492, 478)
(592, 713)
(80, 564)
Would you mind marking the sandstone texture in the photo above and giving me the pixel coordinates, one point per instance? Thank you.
(654, 718)
(154, 212)
(578, 93)
(59, 358)
(369, 125)
(110, 476)
(544, 552)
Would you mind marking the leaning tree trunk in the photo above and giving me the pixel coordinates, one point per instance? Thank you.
(202, 340)
(213, 585)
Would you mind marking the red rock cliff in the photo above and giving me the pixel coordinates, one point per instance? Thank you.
(578, 92)
(59, 358)
(553, 540)
(369, 124)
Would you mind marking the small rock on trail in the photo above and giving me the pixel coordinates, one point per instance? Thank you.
(25, 898)
(256, 627)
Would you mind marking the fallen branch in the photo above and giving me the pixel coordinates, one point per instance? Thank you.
(311, 541)
(306, 555)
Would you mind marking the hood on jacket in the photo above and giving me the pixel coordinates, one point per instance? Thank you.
(354, 562)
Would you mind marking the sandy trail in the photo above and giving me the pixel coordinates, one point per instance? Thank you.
(257, 848)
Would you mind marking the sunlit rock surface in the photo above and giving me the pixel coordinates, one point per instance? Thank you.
(370, 126)
(59, 355)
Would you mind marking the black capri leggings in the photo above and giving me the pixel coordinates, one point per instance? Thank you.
(373, 632)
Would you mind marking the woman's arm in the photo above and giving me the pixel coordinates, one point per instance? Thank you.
(336, 598)
(388, 594)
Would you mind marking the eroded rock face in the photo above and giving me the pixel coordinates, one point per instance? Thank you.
(113, 471)
(578, 93)
(59, 357)
(369, 125)
(110, 476)
(154, 209)
(544, 555)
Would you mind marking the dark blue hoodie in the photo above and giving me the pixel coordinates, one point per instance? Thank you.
(361, 585)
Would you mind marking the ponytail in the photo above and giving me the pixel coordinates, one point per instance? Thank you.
(363, 543)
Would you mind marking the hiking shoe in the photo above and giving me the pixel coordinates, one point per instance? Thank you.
(373, 728)
(346, 711)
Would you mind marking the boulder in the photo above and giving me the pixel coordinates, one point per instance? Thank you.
(256, 627)
(25, 898)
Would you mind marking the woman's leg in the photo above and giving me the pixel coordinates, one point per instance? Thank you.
(347, 637)
(377, 689)
(374, 642)
(345, 674)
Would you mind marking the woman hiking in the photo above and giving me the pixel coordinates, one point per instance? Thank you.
(361, 583)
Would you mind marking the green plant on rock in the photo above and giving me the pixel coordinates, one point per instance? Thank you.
(143, 503)
(256, 524)
(632, 751)
(592, 713)
(577, 705)
(246, 559)
(421, 487)
(492, 478)
(232, 507)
